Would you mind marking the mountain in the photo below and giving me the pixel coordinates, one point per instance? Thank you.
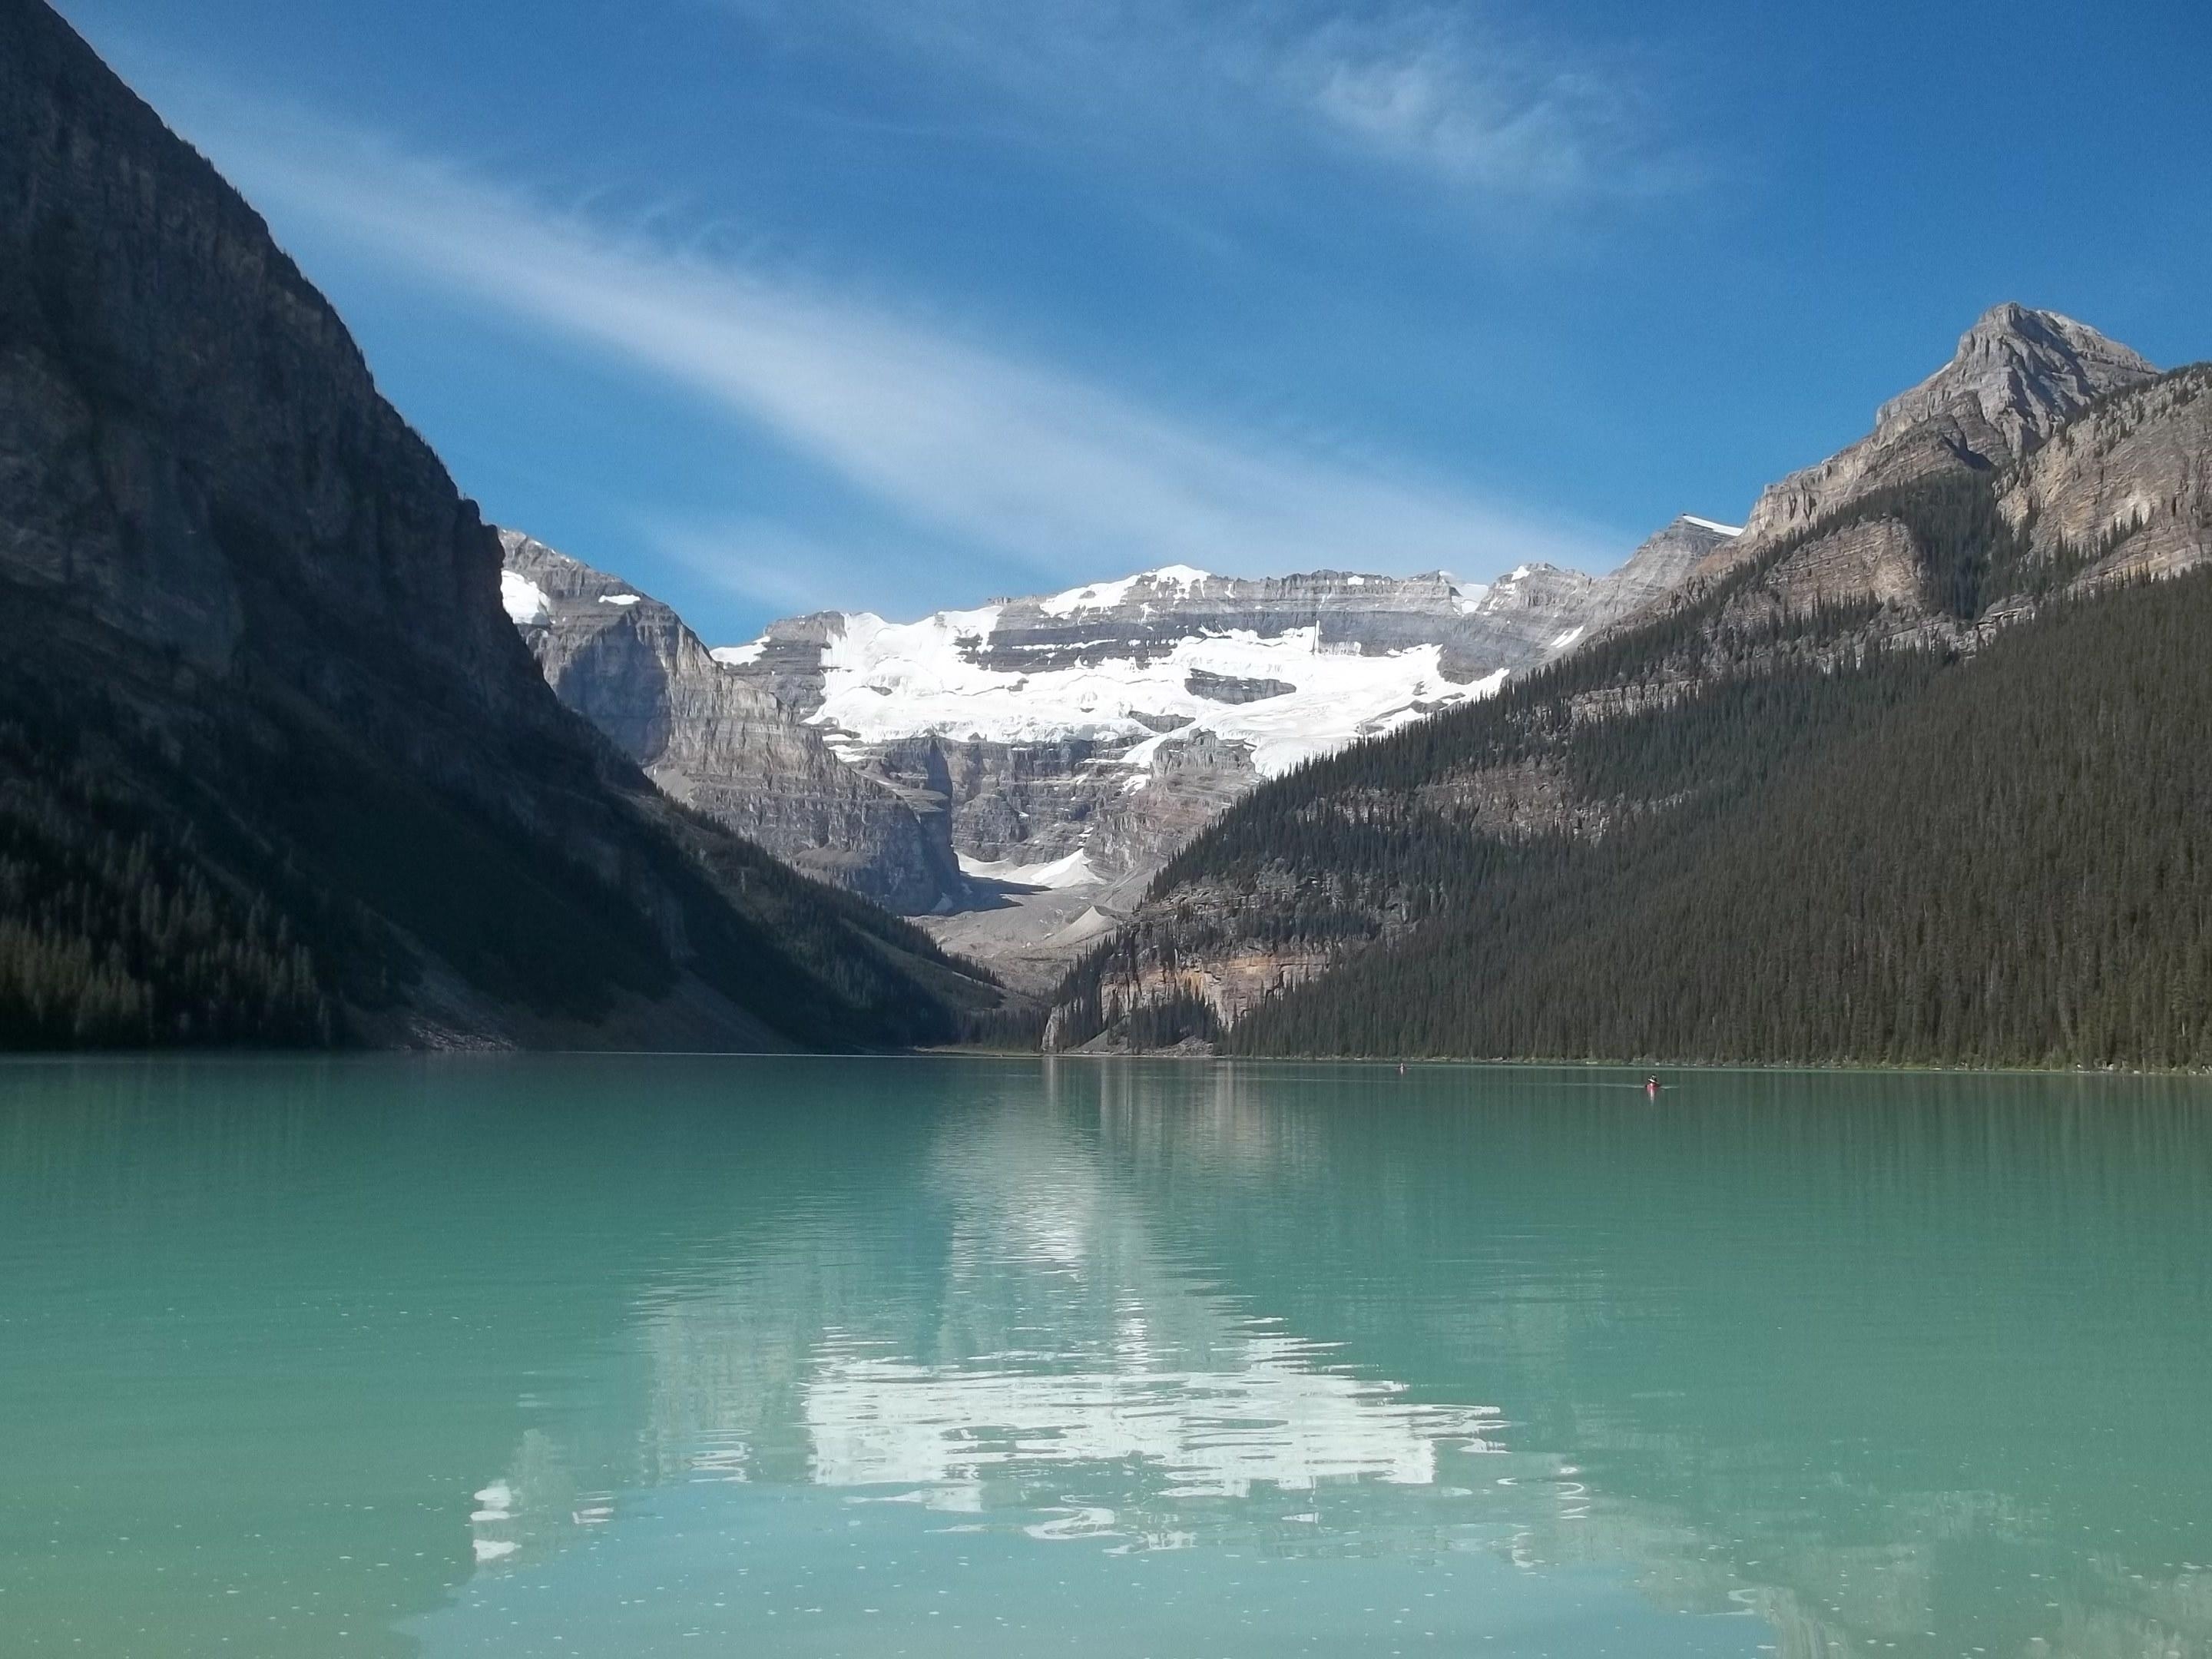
(275, 765)
(2017, 376)
(1078, 738)
(1910, 777)
(718, 741)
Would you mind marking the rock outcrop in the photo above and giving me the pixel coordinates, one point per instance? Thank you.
(721, 742)
(2128, 487)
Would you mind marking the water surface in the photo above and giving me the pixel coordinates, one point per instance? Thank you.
(936, 1357)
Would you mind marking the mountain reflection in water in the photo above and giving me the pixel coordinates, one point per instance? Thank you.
(1814, 1365)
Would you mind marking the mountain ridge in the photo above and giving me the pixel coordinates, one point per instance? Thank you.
(1106, 723)
(2017, 374)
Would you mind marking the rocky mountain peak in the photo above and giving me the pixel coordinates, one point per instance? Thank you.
(2020, 371)
(2017, 377)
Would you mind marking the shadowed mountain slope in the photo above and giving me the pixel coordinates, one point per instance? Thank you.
(274, 765)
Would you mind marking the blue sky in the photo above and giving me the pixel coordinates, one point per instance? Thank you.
(779, 305)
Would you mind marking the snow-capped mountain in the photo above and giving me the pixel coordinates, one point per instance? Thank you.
(1018, 772)
(2044, 467)
(1079, 737)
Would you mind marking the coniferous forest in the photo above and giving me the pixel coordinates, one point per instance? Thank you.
(2006, 863)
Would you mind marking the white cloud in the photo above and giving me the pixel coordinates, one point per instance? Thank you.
(1439, 90)
(1426, 91)
(1038, 469)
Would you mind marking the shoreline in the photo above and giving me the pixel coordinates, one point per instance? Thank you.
(233, 1057)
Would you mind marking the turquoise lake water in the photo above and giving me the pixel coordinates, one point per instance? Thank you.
(939, 1356)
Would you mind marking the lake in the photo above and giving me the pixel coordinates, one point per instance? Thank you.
(645, 1356)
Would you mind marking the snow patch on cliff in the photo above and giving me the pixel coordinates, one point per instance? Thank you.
(1467, 597)
(525, 601)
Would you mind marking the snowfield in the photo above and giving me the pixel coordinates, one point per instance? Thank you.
(884, 681)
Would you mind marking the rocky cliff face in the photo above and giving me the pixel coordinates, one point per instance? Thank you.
(721, 742)
(2031, 406)
(195, 454)
(2128, 486)
(256, 682)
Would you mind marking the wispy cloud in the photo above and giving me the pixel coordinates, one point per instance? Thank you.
(1427, 89)
(1040, 470)
(1448, 92)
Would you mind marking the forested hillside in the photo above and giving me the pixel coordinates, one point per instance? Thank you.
(1979, 873)
(1781, 820)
